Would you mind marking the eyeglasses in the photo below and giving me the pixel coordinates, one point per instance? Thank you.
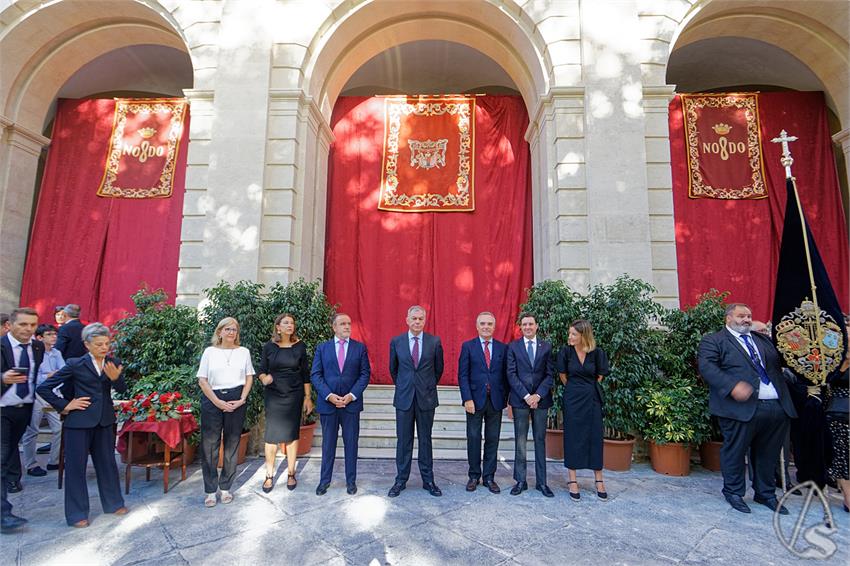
(230, 330)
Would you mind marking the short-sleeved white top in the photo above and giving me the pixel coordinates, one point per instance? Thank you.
(226, 368)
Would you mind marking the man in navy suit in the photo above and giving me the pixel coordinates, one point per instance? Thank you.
(340, 374)
(21, 358)
(530, 369)
(69, 340)
(416, 366)
(87, 384)
(483, 390)
(750, 397)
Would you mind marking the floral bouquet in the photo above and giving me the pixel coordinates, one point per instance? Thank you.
(153, 407)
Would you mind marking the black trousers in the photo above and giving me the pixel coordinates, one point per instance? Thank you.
(331, 423)
(13, 424)
(215, 425)
(404, 423)
(492, 421)
(538, 433)
(98, 441)
(762, 437)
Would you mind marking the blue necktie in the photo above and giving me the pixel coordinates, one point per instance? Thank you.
(530, 349)
(23, 389)
(755, 358)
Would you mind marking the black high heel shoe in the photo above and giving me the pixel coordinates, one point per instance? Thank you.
(603, 495)
(574, 496)
(270, 480)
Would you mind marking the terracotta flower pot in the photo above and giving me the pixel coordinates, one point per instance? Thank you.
(617, 454)
(709, 455)
(305, 438)
(240, 454)
(671, 459)
(554, 444)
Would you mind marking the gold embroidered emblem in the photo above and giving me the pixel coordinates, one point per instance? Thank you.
(797, 340)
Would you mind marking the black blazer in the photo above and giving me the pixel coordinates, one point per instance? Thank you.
(526, 380)
(723, 363)
(9, 361)
(422, 380)
(473, 375)
(79, 379)
(69, 340)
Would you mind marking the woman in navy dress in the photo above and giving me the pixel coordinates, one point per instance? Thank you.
(581, 366)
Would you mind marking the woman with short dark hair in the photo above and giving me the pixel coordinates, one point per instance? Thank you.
(581, 366)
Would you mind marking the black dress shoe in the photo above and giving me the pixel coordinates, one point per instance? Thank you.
(38, 472)
(396, 489)
(432, 489)
(43, 449)
(351, 488)
(544, 489)
(771, 503)
(519, 488)
(471, 484)
(52, 467)
(737, 503)
(492, 486)
(14, 487)
(10, 523)
(322, 489)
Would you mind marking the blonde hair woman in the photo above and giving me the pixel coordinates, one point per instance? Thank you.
(225, 376)
(581, 366)
(285, 373)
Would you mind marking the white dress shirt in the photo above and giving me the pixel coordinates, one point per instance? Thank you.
(10, 398)
(525, 343)
(766, 391)
(345, 344)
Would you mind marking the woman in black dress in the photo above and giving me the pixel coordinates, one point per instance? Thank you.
(285, 373)
(839, 427)
(581, 366)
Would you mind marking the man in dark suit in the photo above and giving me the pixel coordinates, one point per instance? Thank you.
(530, 369)
(21, 358)
(416, 366)
(750, 398)
(483, 390)
(69, 340)
(340, 374)
(88, 424)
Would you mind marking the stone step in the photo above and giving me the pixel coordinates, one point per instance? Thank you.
(441, 439)
(446, 394)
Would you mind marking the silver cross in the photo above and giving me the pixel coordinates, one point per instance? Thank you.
(786, 160)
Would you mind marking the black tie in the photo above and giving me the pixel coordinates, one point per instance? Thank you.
(23, 389)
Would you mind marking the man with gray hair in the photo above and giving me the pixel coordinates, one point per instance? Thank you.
(69, 341)
(416, 366)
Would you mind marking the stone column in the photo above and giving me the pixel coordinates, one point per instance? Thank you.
(843, 139)
(20, 149)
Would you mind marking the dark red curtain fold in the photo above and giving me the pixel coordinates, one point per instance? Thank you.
(733, 245)
(455, 264)
(90, 250)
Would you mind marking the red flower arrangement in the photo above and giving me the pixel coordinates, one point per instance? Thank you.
(153, 407)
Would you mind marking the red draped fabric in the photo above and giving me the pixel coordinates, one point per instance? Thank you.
(455, 264)
(733, 245)
(91, 250)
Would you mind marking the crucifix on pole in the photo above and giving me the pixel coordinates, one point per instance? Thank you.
(786, 160)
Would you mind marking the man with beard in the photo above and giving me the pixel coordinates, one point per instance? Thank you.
(750, 398)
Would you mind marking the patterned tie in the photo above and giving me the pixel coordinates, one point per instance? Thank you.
(487, 353)
(23, 389)
(415, 352)
(340, 355)
(529, 346)
(755, 358)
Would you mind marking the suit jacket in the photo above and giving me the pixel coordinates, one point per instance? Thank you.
(723, 363)
(69, 340)
(473, 375)
(9, 361)
(327, 378)
(418, 383)
(80, 379)
(526, 380)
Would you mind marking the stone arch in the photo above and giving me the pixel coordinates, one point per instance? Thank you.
(43, 46)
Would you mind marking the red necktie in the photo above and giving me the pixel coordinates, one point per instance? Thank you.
(487, 353)
(415, 352)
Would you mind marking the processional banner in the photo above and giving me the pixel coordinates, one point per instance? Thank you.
(428, 154)
(723, 144)
(143, 147)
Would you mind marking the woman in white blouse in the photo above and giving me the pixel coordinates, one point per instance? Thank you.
(225, 376)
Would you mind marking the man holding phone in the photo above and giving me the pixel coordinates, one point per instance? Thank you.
(19, 363)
